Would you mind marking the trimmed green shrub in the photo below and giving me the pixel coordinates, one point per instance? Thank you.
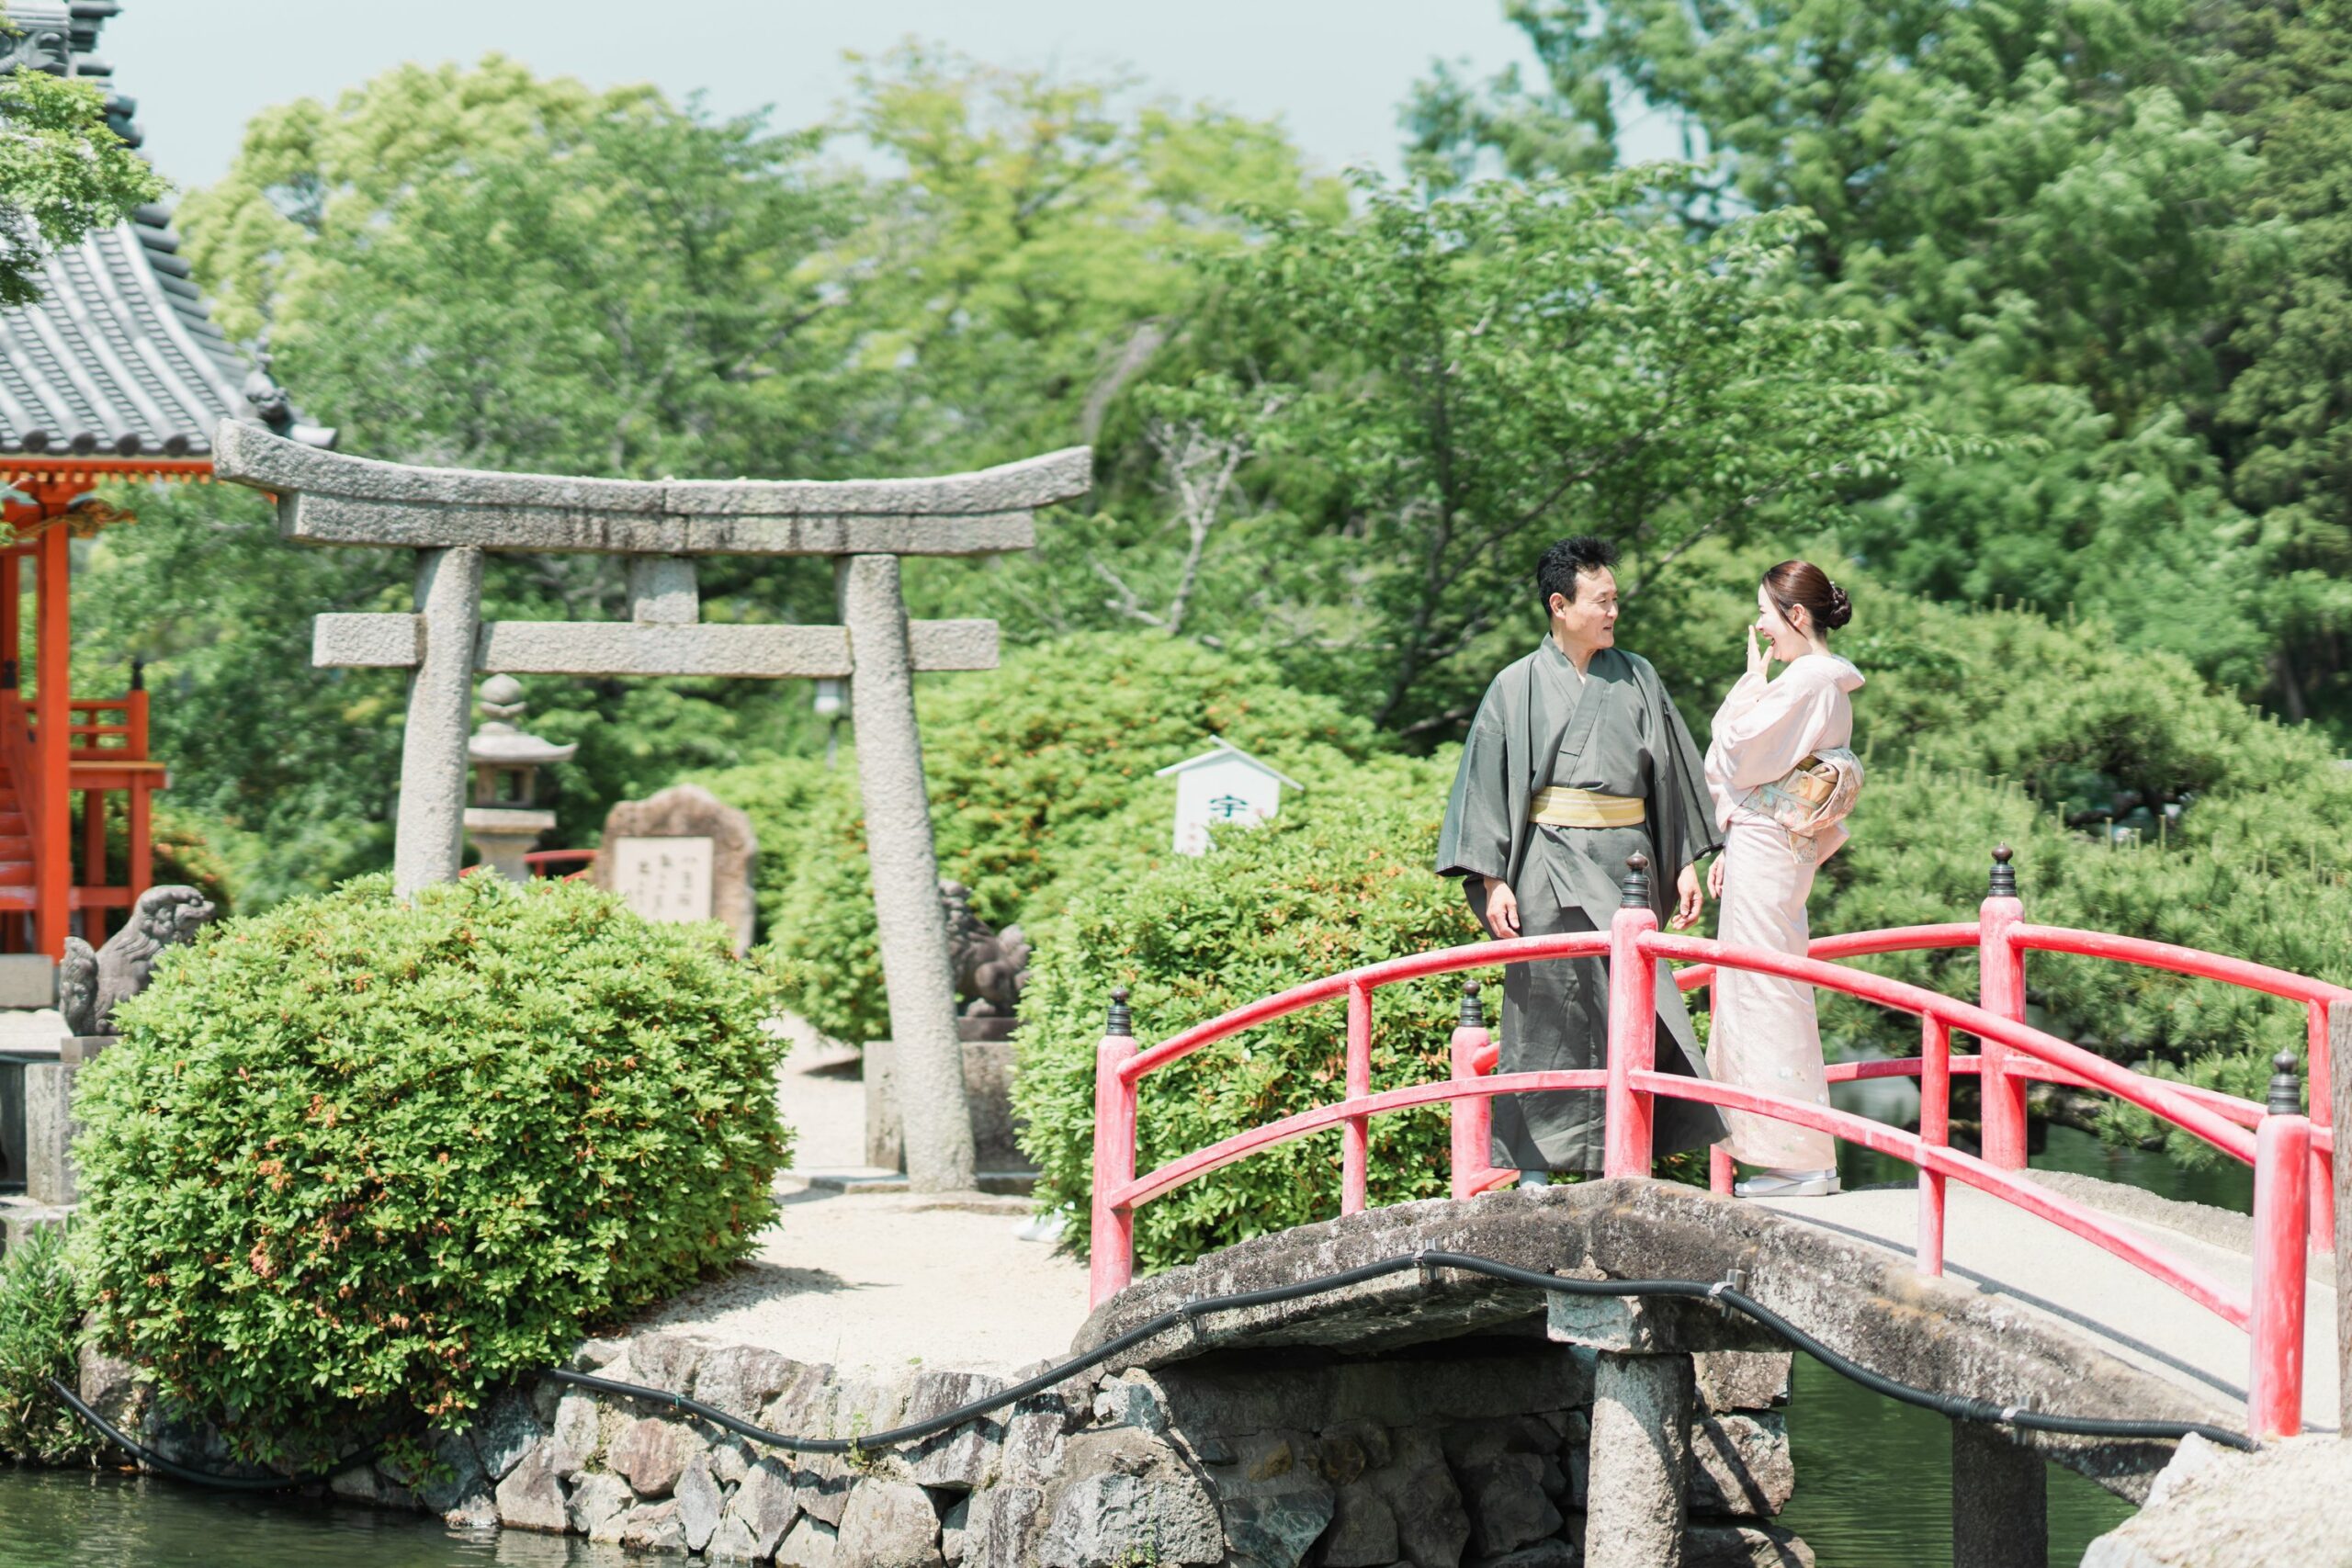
(39, 1321)
(1342, 878)
(1041, 787)
(357, 1161)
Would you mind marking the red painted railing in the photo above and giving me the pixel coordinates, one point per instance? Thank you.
(2291, 1154)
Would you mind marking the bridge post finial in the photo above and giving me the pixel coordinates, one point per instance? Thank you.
(1636, 884)
(1120, 1022)
(2286, 1086)
(2005, 876)
(1473, 1013)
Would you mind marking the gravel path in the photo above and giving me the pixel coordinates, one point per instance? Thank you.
(877, 1282)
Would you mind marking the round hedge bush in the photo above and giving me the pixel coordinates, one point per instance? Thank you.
(357, 1161)
(1341, 878)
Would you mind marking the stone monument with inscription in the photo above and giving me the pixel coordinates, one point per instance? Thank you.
(684, 854)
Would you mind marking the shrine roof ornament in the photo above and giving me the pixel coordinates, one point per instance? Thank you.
(1224, 752)
(119, 359)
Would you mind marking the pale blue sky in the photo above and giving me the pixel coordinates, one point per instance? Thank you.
(1333, 69)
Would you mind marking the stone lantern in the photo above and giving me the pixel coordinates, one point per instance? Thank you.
(504, 819)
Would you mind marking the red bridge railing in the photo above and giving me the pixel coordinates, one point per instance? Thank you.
(2292, 1153)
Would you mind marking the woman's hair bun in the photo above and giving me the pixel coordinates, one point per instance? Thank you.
(1795, 583)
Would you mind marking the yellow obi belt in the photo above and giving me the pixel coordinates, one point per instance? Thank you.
(1563, 807)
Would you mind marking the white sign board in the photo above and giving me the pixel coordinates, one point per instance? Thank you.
(1221, 790)
(664, 879)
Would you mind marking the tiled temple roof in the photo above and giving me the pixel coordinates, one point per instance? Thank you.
(118, 357)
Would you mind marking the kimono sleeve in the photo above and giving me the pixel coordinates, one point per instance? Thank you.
(1477, 838)
(1693, 811)
(1773, 734)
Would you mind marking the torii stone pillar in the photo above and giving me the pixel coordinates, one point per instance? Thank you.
(451, 516)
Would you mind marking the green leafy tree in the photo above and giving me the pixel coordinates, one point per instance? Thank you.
(481, 267)
(1036, 242)
(1462, 379)
(2289, 91)
(489, 269)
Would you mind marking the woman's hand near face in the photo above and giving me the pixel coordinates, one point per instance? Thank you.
(1758, 658)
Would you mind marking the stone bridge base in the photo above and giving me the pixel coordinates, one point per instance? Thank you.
(1480, 1452)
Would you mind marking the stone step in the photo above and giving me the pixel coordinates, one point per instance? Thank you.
(1012, 1186)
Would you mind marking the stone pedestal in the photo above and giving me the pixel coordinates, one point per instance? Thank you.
(49, 1123)
(12, 1123)
(988, 1089)
(1641, 1475)
(504, 836)
(2000, 1507)
(49, 1133)
(28, 980)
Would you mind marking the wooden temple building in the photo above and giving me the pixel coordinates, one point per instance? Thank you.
(115, 373)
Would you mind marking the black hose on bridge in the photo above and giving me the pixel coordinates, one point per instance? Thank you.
(1724, 1291)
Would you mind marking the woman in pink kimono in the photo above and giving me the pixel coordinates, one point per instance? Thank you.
(1783, 778)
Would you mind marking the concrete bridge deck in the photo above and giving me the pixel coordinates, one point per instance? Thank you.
(2026, 1315)
(2077, 1288)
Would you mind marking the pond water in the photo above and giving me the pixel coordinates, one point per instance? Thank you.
(51, 1518)
(1873, 1477)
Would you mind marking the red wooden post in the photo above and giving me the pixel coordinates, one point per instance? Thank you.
(2319, 1073)
(2001, 982)
(134, 714)
(2273, 1405)
(52, 851)
(93, 860)
(2337, 1092)
(1633, 1026)
(12, 592)
(1721, 1174)
(1471, 1126)
(1111, 1252)
(142, 839)
(1355, 1134)
(1935, 1130)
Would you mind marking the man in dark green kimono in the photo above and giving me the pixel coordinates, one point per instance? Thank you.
(1577, 759)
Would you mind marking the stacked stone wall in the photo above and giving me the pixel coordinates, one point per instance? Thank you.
(1470, 1454)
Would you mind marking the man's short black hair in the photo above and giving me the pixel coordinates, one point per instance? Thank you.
(1565, 561)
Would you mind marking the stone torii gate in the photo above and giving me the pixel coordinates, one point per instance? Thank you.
(450, 517)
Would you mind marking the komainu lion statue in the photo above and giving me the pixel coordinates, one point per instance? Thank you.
(990, 966)
(91, 984)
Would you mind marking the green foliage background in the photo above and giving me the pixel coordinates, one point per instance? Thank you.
(2025, 321)
(356, 1162)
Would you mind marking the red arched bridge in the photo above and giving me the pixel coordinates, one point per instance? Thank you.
(2180, 1302)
